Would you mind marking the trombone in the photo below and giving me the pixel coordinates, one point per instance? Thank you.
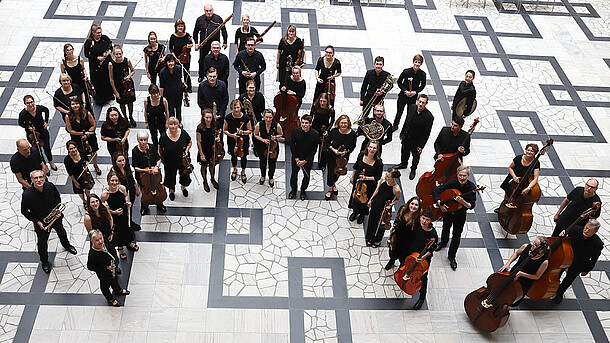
(53, 215)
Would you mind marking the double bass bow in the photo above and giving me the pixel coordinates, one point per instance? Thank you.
(408, 277)
(561, 257)
(515, 213)
(444, 170)
(448, 198)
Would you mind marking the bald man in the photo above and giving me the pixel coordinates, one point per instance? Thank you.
(26, 160)
(204, 26)
(579, 200)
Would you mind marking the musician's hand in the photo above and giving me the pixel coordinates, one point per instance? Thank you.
(197, 47)
(389, 207)
(117, 95)
(277, 65)
(584, 274)
(320, 80)
(41, 225)
(128, 203)
(516, 179)
(111, 237)
(525, 191)
(461, 149)
(291, 92)
(379, 93)
(45, 126)
(283, 89)
(419, 150)
(267, 141)
(351, 180)
(361, 103)
(252, 74)
(362, 178)
(224, 46)
(110, 267)
(562, 233)
(119, 211)
(245, 73)
(138, 192)
(439, 158)
(419, 260)
(155, 170)
(410, 93)
(368, 204)
(77, 185)
(519, 273)
(148, 75)
(146, 125)
(217, 139)
(461, 200)
(504, 268)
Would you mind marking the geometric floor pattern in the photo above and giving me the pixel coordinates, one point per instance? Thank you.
(244, 264)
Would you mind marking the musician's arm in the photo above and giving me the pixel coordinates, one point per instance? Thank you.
(564, 203)
(22, 181)
(91, 122)
(27, 211)
(538, 274)
(257, 134)
(132, 70)
(277, 60)
(397, 195)
(111, 76)
(22, 119)
(45, 111)
(426, 135)
(280, 131)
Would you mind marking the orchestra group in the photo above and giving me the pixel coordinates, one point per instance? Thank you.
(236, 125)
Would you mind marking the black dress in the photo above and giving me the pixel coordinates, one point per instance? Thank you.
(286, 50)
(232, 125)
(403, 234)
(119, 72)
(384, 194)
(176, 45)
(83, 126)
(322, 117)
(75, 169)
(119, 130)
(155, 117)
(375, 171)
(207, 145)
(241, 37)
(99, 69)
(531, 267)
(123, 234)
(338, 141)
(519, 170)
(42, 117)
(335, 68)
(76, 72)
(172, 158)
(153, 60)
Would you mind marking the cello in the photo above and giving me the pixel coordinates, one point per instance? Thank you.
(515, 212)
(488, 307)
(286, 107)
(408, 277)
(447, 198)
(444, 170)
(153, 192)
(561, 257)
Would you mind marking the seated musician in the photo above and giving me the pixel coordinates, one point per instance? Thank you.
(575, 203)
(142, 164)
(534, 268)
(450, 138)
(587, 247)
(265, 132)
(207, 136)
(24, 161)
(379, 116)
(32, 117)
(422, 233)
(373, 80)
(517, 170)
(457, 219)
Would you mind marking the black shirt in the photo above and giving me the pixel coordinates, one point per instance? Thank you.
(577, 205)
(586, 251)
(206, 26)
(207, 95)
(63, 100)
(371, 83)
(26, 119)
(258, 103)
(35, 205)
(304, 145)
(139, 159)
(337, 139)
(417, 84)
(421, 238)
(291, 50)
(322, 117)
(153, 56)
(171, 82)
(176, 44)
(172, 151)
(297, 87)
(387, 134)
(471, 197)
(447, 143)
(464, 91)
(417, 126)
(25, 166)
(240, 37)
(221, 64)
(255, 62)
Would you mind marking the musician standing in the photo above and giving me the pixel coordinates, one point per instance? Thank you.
(98, 48)
(466, 90)
(367, 169)
(411, 82)
(153, 52)
(156, 113)
(387, 190)
(266, 132)
(237, 125)
(517, 170)
(180, 44)
(204, 26)
(303, 146)
(211, 91)
(103, 261)
(579, 199)
(142, 164)
(120, 70)
(171, 85)
(422, 233)
(172, 145)
(379, 116)
(37, 203)
(80, 124)
(31, 117)
(219, 61)
(24, 161)
(208, 134)
(77, 167)
(373, 80)
(256, 98)
(327, 69)
(250, 64)
(244, 32)
(401, 233)
(415, 133)
(587, 247)
(288, 51)
(341, 142)
(450, 140)
(457, 219)
(115, 131)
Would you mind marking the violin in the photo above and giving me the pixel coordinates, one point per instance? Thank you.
(239, 143)
(408, 277)
(187, 103)
(329, 88)
(385, 218)
(185, 56)
(86, 145)
(186, 167)
(271, 149)
(128, 87)
(90, 89)
(341, 163)
(359, 192)
(122, 147)
(515, 213)
(85, 179)
(153, 191)
(34, 137)
(160, 65)
(561, 257)
(219, 151)
(447, 198)
(444, 170)
(301, 55)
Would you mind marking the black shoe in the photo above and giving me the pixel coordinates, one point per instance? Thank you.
(119, 271)
(271, 183)
(400, 166)
(46, 267)
(353, 216)
(206, 187)
(558, 298)
(72, 250)
(336, 192)
(214, 183)
(132, 123)
(54, 168)
(292, 195)
(440, 247)
(360, 219)
(453, 263)
(185, 192)
(419, 303)
(328, 195)
(122, 292)
(261, 181)
(303, 195)
(172, 196)
(135, 226)
(496, 210)
(389, 265)
(161, 208)
(412, 174)
(144, 211)
(98, 171)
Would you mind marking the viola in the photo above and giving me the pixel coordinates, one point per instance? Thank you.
(329, 88)
(122, 147)
(185, 56)
(515, 213)
(160, 65)
(34, 137)
(447, 198)
(153, 191)
(385, 218)
(128, 87)
(186, 167)
(301, 55)
(239, 144)
(359, 192)
(561, 257)
(323, 148)
(408, 277)
(219, 151)
(271, 148)
(341, 163)
(444, 170)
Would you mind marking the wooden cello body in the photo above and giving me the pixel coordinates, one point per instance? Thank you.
(153, 191)
(517, 216)
(286, 107)
(408, 277)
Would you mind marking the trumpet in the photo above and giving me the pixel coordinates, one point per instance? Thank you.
(52, 216)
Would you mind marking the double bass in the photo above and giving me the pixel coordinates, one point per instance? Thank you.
(444, 170)
(561, 257)
(408, 277)
(447, 198)
(515, 213)
(153, 191)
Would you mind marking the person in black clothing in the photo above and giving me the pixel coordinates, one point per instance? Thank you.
(98, 48)
(204, 26)
(256, 98)
(517, 170)
(422, 234)
(288, 51)
(379, 116)
(367, 169)
(75, 166)
(180, 44)
(208, 133)
(120, 166)
(411, 82)
(115, 132)
(387, 190)
(153, 52)
(237, 125)
(534, 268)
(173, 143)
(295, 85)
(457, 219)
(452, 139)
(156, 113)
(465, 90)
(303, 146)
(102, 260)
(24, 161)
(323, 115)
(402, 231)
(579, 199)
(267, 131)
(250, 64)
(64, 94)
(415, 133)
(244, 32)
(587, 247)
(80, 124)
(171, 86)
(120, 70)
(341, 142)
(211, 91)
(143, 165)
(373, 80)
(327, 69)
(37, 203)
(219, 61)
(74, 66)
(31, 118)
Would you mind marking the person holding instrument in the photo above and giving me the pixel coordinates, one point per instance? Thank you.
(249, 64)
(323, 118)
(367, 171)
(115, 131)
(450, 138)
(103, 261)
(208, 133)
(256, 98)
(145, 160)
(81, 127)
(587, 247)
(116, 197)
(172, 145)
(78, 171)
(122, 169)
(74, 66)
(180, 44)
(294, 85)
(204, 26)
(156, 113)
(383, 199)
(120, 72)
(518, 168)
(237, 128)
(64, 94)
(402, 232)
(378, 116)
(411, 82)
(288, 51)
(171, 86)
(327, 69)
(98, 48)
(244, 32)
(371, 85)
(422, 234)
(266, 133)
(303, 146)
(153, 52)
(24, 161)
(466, 91)
(213, 91)
(219, 61)
(31, 118)
(98, 217)
(341, 142)
(577, 201)
(38, 203)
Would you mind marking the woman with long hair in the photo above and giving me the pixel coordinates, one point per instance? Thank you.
(208, 133)
(122, 169)
(402, 231)
(172, 145)
(75, 163)
(237, 126)
(266, 132)
(153, 52)
(74, 65)
(120, 72)
(115, 131)
(341, 142)
(367, 169)
(327, 69)
(116, 197)
(383, 199)
(81, 126)
(288, 52)
(156, 113)
(98, 48)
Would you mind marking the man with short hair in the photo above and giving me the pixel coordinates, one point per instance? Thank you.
(37, 203)
(451, 140)
(303, 145)
(411, 82)
(373, 80)
(379, 116)
(219, 61)
(26, 160)
(250, 64)
(206, 24)
(211, 91)
(579, 200)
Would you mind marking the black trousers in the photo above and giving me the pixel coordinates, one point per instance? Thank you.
(295, 173)
(106, 282)
(457, 220)
(263, 166)
(43, 237)
(406, 149)
(174, 106)
(155, 132)
(403, 100)
(571, 275)
(424, 286)
(170, 176)
(243, 161)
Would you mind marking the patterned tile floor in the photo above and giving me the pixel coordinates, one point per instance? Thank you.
(244, 263)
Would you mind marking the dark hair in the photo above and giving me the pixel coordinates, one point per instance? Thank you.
(104, 213)
(116, 169)
(169, 57)
(71, 142)
(27, 97)
(427, 213)
(424, 96)
(418, 57)
(82, 112)
(330, 47)
(379, 59)
(152, 89)
(534, 147)
(307, 117)
(121, 121)
(178, 22)
(458, 120)
(395, 173)
(471, 71)
(366, 149)
(210, 70)
(201, 126)
(405, 210)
